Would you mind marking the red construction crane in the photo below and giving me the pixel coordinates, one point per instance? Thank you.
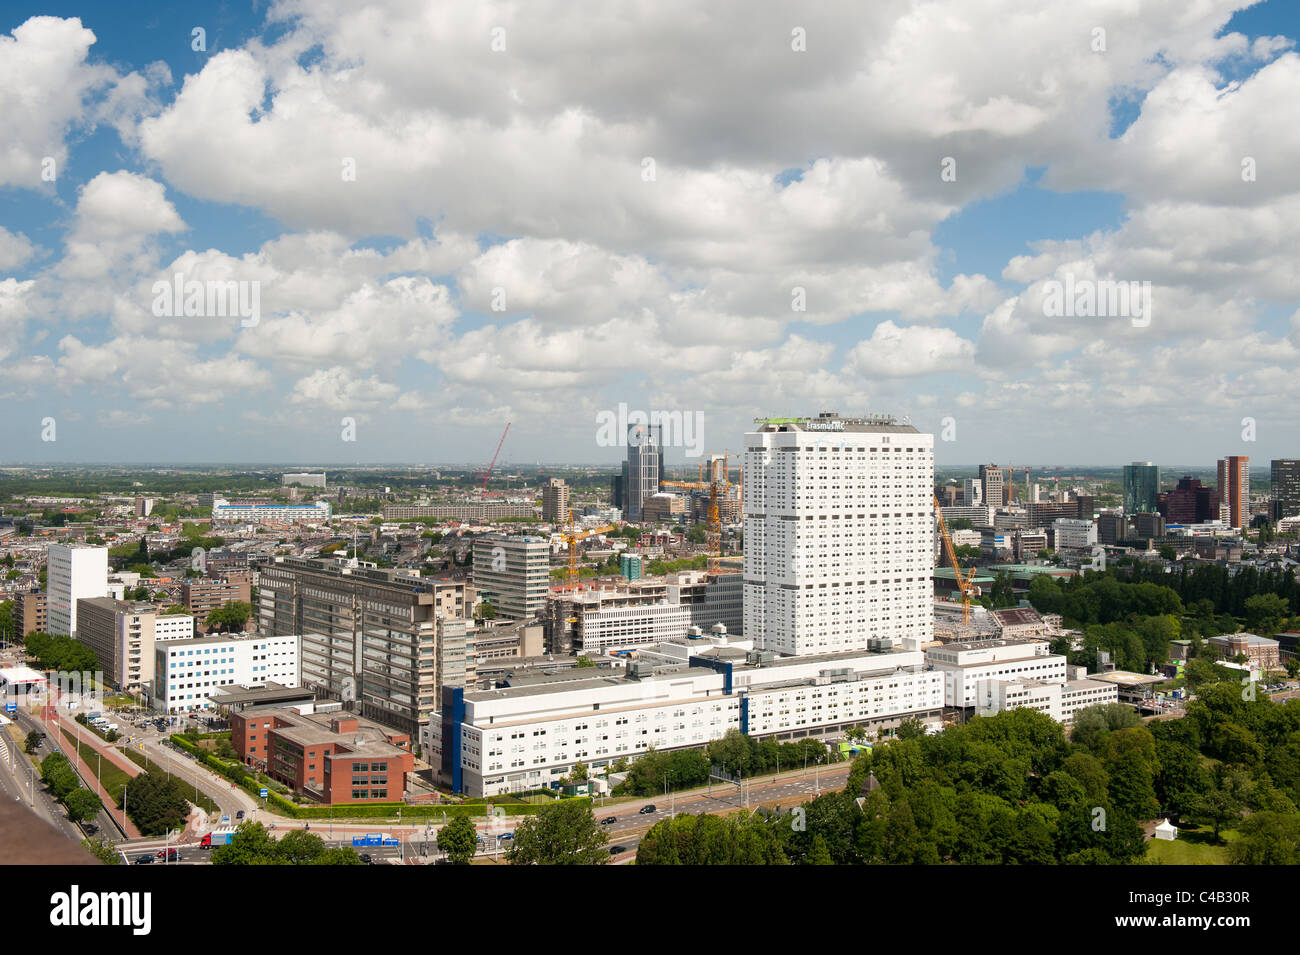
(494, 457)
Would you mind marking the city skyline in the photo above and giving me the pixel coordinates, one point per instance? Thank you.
(427, 237)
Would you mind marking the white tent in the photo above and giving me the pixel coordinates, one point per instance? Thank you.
(1166, 830)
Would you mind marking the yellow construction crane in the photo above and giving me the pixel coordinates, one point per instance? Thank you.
(718, 484)
(572, 538)
(963, 581)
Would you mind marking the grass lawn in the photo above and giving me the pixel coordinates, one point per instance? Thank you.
(112, 777)
(1192, 847)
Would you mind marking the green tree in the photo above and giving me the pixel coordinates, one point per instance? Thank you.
(1265, 614)
(230, 617)
(82, 805)
(819, 854)
(584, 661)
(1267, 838)
(31, 742)
(562, 833)
(103, 850)
(155, 803)
(459, 840)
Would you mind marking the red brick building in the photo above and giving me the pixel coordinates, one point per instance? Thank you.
(335, 757)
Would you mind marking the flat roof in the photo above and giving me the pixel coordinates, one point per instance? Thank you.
(1126, 678)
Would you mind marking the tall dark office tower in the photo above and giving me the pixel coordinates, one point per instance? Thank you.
(1284, 487)
(645, 458)
(1141, 487)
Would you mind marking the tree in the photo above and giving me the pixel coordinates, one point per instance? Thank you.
(910, 728)
(1265, 613)
(229, 617)
(155, 803)
(584, 661)
(819, 854)
(82, 805)
(1223, 802)
(31, 742)
(486, 611)
(562, 833)
(103, 850)
(459, 840)
(1268, 838)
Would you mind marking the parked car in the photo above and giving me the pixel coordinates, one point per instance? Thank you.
(90, 828)
(609, 820)
(647, 810)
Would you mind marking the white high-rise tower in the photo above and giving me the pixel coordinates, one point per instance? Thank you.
(73, 572)
(839, 522)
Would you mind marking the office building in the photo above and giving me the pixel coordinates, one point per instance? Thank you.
(1074, 534)
(555, 501)
(1190, 502)
(1234, 488)
(331, 756)
(307, 479)
(839, 524)
(1111, 529)
(519, 737)
(965, 665)
(1141, 487)
(479, 511)
(629, 566)
(143, 506)
(972, 492)
(367, 634)
(1148, 526)
(1259, 652)
(31, 613)
(618, 489)
(645, 459)
(992, 485)
(663, 508)
(1284, 488)
(73, 572)
(188, 672)
(513, 574)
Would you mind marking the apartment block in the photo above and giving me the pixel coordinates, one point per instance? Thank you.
(1234, 488)
(555, 501)
(30, 612)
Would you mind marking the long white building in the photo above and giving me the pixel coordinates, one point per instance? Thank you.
(518, 737)
(73, 572)
(838, 518)
(257, 513)
(989, 676)
(187, 671)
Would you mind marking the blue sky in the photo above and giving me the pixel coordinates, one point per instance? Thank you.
(515, 172)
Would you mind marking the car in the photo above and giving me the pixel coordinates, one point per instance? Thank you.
(616, 850)
(172, 855)
(240, 814)
(507, 836)
(90, 828)
(365, 858)
(609, 820)
(647, 810)
(144, 860)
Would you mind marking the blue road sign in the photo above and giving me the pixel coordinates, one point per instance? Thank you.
(263, 792)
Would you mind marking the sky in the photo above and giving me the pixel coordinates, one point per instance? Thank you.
(450, 216)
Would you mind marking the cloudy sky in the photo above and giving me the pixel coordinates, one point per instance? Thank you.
(456, 215)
